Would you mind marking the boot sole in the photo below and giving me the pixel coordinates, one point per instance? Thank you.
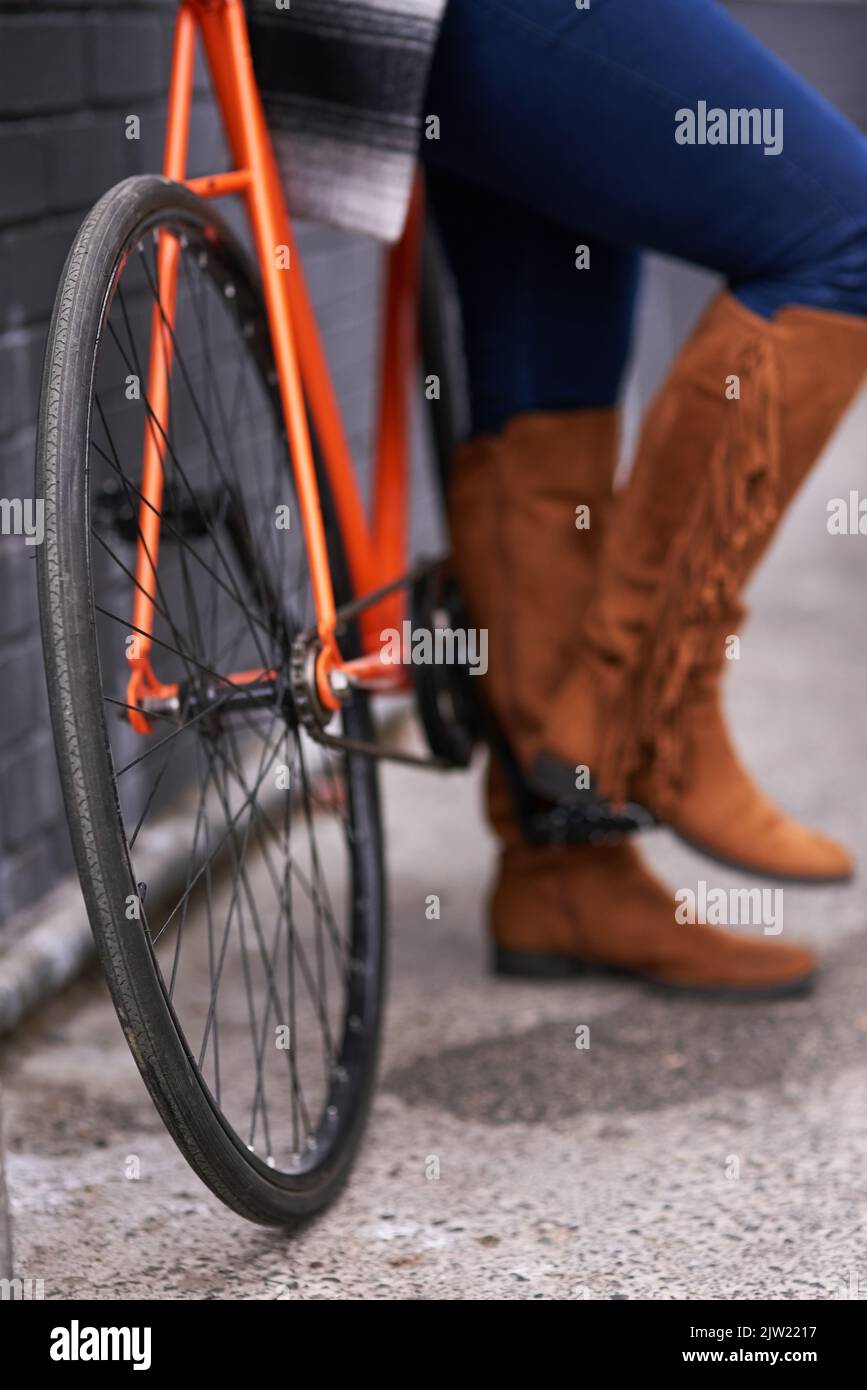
(799, 880)
(787, 989)
(546, 965)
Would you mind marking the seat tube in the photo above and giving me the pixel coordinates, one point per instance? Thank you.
(224, 33)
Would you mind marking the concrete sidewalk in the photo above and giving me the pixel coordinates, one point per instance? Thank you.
(694, 1150)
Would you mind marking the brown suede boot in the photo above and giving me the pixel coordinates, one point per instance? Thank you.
(526, 571)
(560, 910)
(746, 410)
(523, 564)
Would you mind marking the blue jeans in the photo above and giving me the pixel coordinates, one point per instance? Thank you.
(561, 128)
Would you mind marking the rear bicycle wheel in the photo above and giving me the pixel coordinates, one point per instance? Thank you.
(249, 977)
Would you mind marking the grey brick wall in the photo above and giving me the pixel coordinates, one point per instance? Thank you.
(70, 73)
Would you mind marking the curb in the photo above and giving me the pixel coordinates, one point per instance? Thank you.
(56, 944)
(41, 960)
(5, 1216)
(46, 955)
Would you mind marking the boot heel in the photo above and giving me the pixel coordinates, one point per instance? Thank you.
(534, 965)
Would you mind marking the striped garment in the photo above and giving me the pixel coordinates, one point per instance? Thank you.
(343, 84)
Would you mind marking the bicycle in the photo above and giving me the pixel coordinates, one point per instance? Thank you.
(209, 659)
(186, 401)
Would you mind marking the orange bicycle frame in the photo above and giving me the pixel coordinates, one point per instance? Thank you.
(376, 550)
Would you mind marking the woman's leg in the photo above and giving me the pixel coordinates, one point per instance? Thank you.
(576, 113)
(537, 335)
(545, 350)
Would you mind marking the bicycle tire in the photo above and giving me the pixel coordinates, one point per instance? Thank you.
(246, 1181)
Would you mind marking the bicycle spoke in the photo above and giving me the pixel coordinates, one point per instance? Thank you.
(258, 934)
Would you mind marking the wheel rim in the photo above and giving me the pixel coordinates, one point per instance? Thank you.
(265, 957)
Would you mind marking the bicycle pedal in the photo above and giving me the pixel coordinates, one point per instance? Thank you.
(593, 821)
(552, 811)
